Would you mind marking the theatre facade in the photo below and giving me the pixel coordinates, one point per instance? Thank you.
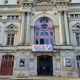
(39, 38)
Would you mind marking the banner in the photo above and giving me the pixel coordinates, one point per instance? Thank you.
(42, 48)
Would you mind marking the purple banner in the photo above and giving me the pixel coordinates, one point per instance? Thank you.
(42, 48)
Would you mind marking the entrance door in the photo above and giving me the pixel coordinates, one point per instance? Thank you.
(44, 65)
(78, 65)
(7, 64)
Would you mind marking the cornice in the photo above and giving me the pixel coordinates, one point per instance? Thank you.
(10, 11)
(11, 20)
(73, 10)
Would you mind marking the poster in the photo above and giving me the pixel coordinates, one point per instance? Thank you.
(68, 62)
(22, 62)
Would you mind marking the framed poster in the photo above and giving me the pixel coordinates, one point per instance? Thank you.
(22, 62)
(68, 62)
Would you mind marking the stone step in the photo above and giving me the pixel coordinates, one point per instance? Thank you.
(45, 78)
(5, 77)
(38, 78)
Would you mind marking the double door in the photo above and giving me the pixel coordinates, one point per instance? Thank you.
(44, 66)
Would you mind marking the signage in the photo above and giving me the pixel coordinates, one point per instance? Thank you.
(42, 48)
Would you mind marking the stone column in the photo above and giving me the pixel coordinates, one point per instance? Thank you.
(28, 28)
(61, 28)
(66, 28)
(23, 29)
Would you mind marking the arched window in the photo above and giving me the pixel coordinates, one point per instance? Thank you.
(7, 64)
(44, 32)
(11, 31)
(76, 31)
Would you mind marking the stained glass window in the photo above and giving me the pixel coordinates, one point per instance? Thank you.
(44, 31)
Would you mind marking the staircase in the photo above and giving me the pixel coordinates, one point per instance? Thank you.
(39, 78)
(45, 78)
(5, 77)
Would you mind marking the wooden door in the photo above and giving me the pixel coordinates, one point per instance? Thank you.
(7, 64)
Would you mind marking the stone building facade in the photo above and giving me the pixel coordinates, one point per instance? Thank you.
(39, 38)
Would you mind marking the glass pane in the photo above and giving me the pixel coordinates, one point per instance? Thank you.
(8, 41)
(12, 41)
(46, 41)
(42, 33)
(51, 33)
(46, 33)
(41, 21)
(77, 39)
(44, 26)
(37, 33)
(47, 20)
(37, 41)
(6, 57)
(12, 35)
(41, 41)
(51, 41)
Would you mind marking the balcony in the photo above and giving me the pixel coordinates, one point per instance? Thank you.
(62, 47)
(37, 48)
(50, 48)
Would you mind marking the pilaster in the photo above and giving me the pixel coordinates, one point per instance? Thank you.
(28, 28)
(23, 29)
(61, 28)
(18, 70)
(32, 35)
(35, 64)
(66, 28)
(3, 42)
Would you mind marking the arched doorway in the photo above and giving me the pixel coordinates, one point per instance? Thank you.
(7, 64)
(44, 65)
(78, 65)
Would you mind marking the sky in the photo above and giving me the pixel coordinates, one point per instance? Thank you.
(76, 1)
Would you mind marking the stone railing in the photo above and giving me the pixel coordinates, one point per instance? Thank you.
(62, 0)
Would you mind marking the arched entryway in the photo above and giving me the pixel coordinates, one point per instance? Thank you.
(44, 65)
(7, 64)
(78, 65)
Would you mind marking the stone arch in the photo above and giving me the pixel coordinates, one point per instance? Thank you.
(44, 31)
(8, 55)
(40, 16)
